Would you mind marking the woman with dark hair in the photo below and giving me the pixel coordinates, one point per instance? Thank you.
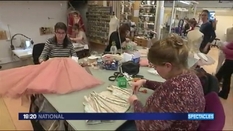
(192, 23)
(208, 31)
(118, 36)
(59, 45)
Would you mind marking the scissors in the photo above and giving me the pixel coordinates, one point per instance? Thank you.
(115, 76)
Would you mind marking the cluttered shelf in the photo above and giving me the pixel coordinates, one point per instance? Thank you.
(98, 18)
(147, 14)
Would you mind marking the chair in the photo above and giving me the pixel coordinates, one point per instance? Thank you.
(214, 105)
(36, 52)
(215, 42)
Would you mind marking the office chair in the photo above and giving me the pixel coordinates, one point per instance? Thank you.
(213, 105)
(36, 52)
(216, 40)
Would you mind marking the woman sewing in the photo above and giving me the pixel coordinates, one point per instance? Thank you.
(80, 37)
(59, 45)
(181, 92)
(118, 36)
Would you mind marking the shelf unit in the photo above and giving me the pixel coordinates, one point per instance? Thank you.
(147, 11)
(98, 18)
(126, 11)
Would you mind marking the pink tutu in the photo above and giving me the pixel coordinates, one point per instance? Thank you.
(144, 62)
(56, 76)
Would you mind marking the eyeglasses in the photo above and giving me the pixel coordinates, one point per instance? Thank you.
(60, 33)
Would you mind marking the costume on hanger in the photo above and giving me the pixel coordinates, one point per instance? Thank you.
(113, 25)
(73, 20)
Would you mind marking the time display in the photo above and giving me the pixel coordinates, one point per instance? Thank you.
(30, 116)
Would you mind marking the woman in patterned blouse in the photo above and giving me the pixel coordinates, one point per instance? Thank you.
(181, 92)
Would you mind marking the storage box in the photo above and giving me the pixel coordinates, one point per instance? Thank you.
(141, 41)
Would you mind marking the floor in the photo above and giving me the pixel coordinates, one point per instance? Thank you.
(9, 108)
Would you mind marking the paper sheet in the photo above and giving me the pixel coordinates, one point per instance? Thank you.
(127, 57)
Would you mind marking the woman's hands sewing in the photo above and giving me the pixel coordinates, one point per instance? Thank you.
(136, 86)
(132, 99)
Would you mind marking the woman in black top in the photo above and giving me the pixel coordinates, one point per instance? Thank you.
(124, 30)
(209, 32)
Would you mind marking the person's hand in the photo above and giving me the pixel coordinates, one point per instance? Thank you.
(127, 39)
(137, 85)
(132, 99)
(72, 39)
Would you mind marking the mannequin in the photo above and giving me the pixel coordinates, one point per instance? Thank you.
(194, 40)
(113, 24)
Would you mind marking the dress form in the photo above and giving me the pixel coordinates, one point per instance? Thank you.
(113, 25)
(195, 38)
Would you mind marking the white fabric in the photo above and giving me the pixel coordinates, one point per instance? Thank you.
(195, 38)
(113, 25)
(114, 100)
(86, 47)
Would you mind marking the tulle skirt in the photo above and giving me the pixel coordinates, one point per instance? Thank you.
(56, 76)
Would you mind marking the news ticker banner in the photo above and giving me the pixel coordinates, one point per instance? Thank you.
(116, 116)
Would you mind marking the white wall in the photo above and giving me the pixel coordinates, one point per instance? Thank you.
(27, 17)
(224, 22)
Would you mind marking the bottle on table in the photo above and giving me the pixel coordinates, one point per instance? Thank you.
(113, 48)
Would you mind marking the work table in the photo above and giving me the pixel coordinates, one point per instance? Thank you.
(73, 102)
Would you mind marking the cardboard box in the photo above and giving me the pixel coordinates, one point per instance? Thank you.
(141, 41)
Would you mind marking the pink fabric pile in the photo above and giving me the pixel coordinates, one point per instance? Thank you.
(56, 76)
(144, 62)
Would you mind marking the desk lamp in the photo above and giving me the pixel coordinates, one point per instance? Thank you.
(27, 43)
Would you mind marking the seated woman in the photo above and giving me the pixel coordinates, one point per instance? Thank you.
(80, 38)
(118, 36)
(181, 92)
(59, 45)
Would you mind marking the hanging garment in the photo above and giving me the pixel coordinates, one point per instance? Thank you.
(55, 76)
(72, 21)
